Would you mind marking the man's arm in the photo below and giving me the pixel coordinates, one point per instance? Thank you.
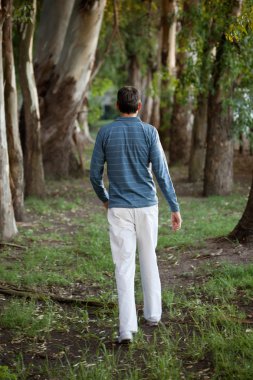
(97, 170)
(161, 171)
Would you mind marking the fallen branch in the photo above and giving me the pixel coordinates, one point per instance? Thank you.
(48, 296)
(13, 245)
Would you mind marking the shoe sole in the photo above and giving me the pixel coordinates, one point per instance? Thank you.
(152, 324)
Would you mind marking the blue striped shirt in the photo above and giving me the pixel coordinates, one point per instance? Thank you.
(132, 150)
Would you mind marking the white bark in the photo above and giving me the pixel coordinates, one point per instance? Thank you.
(52, 29)
(8, 226)
(67, 87)
(11, 114)
(172, 40)
(82, 120)
(78, 54)
(34, 174)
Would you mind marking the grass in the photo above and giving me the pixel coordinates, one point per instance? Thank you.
(66, 246)
(30, 318)
(202, 218)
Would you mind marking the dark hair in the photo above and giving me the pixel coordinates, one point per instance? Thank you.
(128, 99)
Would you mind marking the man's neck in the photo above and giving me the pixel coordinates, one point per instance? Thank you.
(129, 114)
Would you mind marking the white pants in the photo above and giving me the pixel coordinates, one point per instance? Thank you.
(129, 226)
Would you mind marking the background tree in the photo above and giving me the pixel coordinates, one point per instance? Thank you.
(34, 172)
(49, 41)
(7, 220)
(68, 84)
(181, 112)
(218, 178)
(243, 232)
(168, 61)
(11, 113)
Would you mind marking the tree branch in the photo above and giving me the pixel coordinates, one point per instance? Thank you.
(27, 293)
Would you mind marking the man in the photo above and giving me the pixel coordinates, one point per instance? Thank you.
(130, 147)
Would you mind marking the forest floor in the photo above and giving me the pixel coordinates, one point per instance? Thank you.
(58, 304)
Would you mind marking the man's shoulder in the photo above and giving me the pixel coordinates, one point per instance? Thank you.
(149, 128)
(107, 128)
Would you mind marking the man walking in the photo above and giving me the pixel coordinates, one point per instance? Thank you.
(132, 150)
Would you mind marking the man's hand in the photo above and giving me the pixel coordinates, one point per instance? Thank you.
(106, 204)
(176, 220)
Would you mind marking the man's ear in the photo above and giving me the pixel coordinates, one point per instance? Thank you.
(117, 106)
(139, 106)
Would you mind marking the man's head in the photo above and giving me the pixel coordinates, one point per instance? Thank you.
(128, 100)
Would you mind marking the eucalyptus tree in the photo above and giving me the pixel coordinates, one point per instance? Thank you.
(179, 136)
(49, 40)
(7, 220)
(205, 43)
(218, 178)
(34, 172)
(243, 231)
(168, 62)
(11, 113)
(68, 84)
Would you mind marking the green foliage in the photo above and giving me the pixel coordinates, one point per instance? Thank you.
(22, 11)
(6, 374)
(100, 87)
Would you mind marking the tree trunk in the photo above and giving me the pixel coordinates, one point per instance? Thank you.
(178, 133)
(218, 177)
(72, 74)
(49, 42)
(34, 174)
(199, 130)
(243, 232)
(155, 115)
(198, 145)
(82, 120)
(168, 35)
(11, 113)
(134, 72)
(148, 103)
(181, 114)
(7, 220)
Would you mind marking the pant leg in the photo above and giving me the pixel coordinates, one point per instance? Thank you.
(147, 230)
(123, 246)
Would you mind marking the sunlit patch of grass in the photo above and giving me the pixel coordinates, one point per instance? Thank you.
(202, 218)
(228, 280)
(31, 318)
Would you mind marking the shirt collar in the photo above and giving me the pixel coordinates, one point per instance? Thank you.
(130, 119)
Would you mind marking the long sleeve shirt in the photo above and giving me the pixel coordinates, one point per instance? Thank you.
(132, 150)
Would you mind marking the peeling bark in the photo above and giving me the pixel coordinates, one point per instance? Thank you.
(11, 113)
(71, 77)
(243, 232)
(34, 173)
(8, 226)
